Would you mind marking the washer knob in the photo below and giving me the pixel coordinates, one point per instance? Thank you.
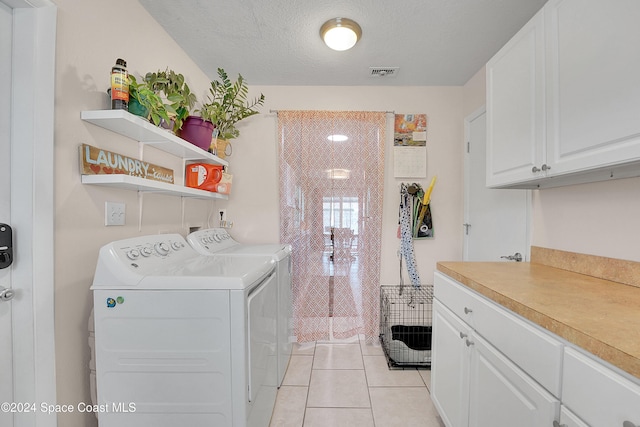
(217, 238)
(162, 248)
(177, 245)
(146, 251)
(133, 254)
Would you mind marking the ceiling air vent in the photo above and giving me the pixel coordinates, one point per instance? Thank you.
(383, 71)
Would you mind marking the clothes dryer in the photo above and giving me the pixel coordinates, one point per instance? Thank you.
(218, 241)
(183, 339)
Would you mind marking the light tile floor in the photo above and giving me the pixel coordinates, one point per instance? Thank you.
(349, 384)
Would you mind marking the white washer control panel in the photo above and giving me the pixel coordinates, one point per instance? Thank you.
(212, 240)
(149, 253)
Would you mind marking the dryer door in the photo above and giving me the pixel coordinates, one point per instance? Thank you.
(262, 338)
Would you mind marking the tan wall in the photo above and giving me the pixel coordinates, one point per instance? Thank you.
(474, 92)
(597, 219)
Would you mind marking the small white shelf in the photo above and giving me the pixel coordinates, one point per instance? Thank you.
(124, 123)
(135, 183)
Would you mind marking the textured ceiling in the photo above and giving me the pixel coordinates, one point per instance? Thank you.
(277, 42)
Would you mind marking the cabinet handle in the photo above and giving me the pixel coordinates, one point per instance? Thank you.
(535, 169)
(628, 424)
(467, 310)
(463, 335)
(545, 167)
(470, 343)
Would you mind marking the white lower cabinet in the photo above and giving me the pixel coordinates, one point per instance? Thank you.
(473, 384)
(569, 419)
(450, 381)
(597, 394)
(492, 368)
(502, 395)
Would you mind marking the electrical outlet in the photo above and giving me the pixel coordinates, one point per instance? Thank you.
(114, 213)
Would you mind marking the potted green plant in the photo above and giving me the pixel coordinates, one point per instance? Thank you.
(227, 104)
(178, 98)
(145, 102)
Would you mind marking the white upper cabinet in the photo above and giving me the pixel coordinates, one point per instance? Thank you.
(515, 107)
(593, 83)
(571, 113)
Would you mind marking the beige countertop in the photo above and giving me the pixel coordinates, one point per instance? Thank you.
(598, 315)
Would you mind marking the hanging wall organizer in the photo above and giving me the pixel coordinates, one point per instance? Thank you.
(420, 202)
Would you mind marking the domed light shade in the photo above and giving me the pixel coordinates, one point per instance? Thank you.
(340, 33)
(337, 138)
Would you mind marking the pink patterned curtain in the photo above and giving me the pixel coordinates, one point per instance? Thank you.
(331, 213)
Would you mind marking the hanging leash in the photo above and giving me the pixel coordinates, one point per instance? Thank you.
(406, 238)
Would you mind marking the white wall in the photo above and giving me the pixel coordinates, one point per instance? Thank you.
(597, 219)
(254, 202)
(474, 92)
(91, 36)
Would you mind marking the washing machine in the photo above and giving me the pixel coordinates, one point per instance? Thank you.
(183, 339)
(217, 241)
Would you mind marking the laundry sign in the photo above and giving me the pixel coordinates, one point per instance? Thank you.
(96, 161)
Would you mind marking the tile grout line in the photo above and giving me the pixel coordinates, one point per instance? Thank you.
(366, 378)
(306, 401)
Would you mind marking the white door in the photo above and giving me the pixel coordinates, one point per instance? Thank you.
(496, 222)
(27, 70)
(6, 340)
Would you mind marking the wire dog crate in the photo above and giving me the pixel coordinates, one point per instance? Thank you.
(405, 325)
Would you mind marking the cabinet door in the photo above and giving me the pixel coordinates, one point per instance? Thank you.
(515, 107)
(449, 366)
(502, 395)
(597, 394)
(569, 419)
(593, 83)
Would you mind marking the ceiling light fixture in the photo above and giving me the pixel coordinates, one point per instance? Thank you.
(337, 138)
(338, 173)
(340, 33)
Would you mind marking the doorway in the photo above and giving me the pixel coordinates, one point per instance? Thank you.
(496, 222)
(27, 351)
(331, 189)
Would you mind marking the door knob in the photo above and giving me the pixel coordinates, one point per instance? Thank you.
(6, 294)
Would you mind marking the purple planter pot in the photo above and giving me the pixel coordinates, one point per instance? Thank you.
(197, 131)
